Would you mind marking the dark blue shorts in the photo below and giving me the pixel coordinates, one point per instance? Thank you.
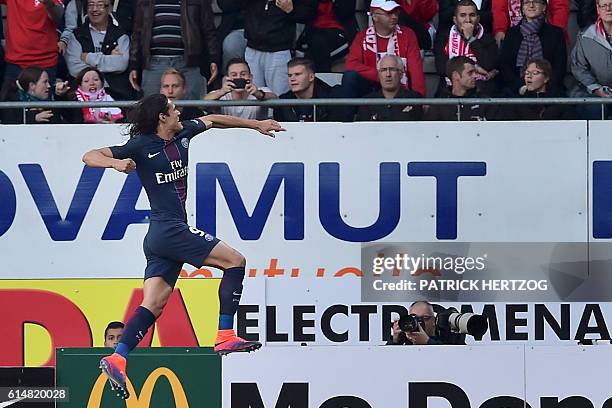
(170, 244)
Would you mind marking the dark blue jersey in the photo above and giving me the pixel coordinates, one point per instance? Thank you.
(162, 168)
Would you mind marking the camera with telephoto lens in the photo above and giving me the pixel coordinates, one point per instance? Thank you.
(452, 321)
(410, 323)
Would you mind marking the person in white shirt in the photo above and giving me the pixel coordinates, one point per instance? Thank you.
(239, 85)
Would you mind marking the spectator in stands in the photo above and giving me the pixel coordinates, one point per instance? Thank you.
(90, 88)
(590, 61)
(462, 72)
(449, 7)
(174, 34)
(239, 85)
(112, 334)
(385, 36)
(532, 38)
(537, 85)
(32, 85)
(417, 15)
(172, 84)
(467, 37)
(305, 85)
(31, 38)
(231, 31)
(270, 33)
(328, 36)
(390, 70)
(99, 43)
(122, 13)
(509, 13)
(586, 13)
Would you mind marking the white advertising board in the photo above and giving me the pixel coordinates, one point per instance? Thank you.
(574, 376)
(375, 377)
(298, 207)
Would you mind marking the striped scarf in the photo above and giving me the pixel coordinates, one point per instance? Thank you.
(531, 46)
(97, 115)
(370, 43)
(458, 46)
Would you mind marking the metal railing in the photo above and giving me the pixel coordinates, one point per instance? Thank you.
(327, 102)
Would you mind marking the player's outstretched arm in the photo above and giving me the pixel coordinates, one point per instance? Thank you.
(266, 127)
(104, 158)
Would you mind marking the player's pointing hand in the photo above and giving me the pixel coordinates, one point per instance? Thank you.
(267, 127)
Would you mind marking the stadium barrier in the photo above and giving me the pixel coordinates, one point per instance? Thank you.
(347, 377)
(330, 102)
(158, 377)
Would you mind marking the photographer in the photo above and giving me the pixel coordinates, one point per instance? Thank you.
(422, 330)
(238, 85)
(426, 333)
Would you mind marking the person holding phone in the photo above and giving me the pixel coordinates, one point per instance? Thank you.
(239, 85)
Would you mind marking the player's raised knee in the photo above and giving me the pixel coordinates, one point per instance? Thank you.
(238, 259)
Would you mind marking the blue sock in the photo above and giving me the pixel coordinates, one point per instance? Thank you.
(135, 330)
(226, 322)
(230, 291)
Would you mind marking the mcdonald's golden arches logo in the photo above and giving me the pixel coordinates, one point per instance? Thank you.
(144, 399)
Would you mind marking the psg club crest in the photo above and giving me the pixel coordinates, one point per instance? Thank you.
(185, 142)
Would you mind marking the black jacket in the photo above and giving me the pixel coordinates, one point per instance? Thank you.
(304, 113)
(119, 86)
(437, 340)
(485, 51)
(447, 11)
(587, 13)
(344, 10)
(197, 28)
(268, 28)
(385, 113)
(231, 19)
(15, 116)
(544, 112)
(466, 111)
(553, 49)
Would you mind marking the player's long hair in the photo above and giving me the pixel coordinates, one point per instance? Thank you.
(144, 117)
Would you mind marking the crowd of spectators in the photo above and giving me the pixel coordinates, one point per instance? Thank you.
(108, 50)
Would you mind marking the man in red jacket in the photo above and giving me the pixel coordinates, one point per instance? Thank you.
(31, 37)
(384, 37)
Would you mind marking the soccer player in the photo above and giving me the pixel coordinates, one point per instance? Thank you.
(157, 149)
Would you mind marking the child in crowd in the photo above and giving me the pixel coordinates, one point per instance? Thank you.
(90, 87)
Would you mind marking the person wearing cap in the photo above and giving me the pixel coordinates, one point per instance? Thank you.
(533, 37)
(467, 37)
(418, 15)
(383, 37)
